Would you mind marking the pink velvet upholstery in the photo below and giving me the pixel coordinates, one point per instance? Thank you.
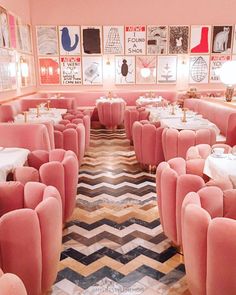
(131, 116)
(10, 284)
(111, 114)
(209, 241)
(29, 136)
(176, 143)
(30, 235)
(77, 118)
(58, 168)
(172, 186)
(224, 117)
(70, 136)
(147, 143)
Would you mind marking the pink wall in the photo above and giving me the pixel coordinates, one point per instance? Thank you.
(105, 12)
(20, 8)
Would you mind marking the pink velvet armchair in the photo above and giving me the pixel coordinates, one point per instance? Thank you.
(147, 143)
(10, 284)
(111, 114)
(176, 143)
(58, 168)
(173, 181)
(131, 116)
(30, 234)
(209, 241)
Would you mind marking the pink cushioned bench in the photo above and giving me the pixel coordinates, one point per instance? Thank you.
(224, 117)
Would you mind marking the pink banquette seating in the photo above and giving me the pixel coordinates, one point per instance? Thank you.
(29, 136)
(58, 168)
(173, 181)
(147, 142)
(9, 110)
(30, 233)
(209, 241)
(224, 117)
(131, 116)
(111, 114)
(176, 143)
(70, 136)
(10, 284)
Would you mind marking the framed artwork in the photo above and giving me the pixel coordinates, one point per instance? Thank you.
(199, 69)
(49, 71)
(234, 41)
(113, 39)
(178, 39)
(69, 40)
(12, 30)
(135, 40)
(47, 40)
(157, 39)
(70, 70)
(4, 29)
(216, 63)
(146, 69)
(167, 69)
(92, 70)
(24, 37)
(124, 70)
(8, 70)
(26, 66)
(200, 39)
(91, 39)
(222, 39)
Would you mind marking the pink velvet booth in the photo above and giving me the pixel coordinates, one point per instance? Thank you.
(209, 241)
(173, 181)
(176, 143)
(29, 136)
(10, 284)
(224, 117)
(131, 116)
(77, 118)
(58, 168)
(147, 142)
(70, 136)
(111, 114)
(30, 233)
(196, 156)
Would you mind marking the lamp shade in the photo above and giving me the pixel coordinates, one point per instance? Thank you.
(228, 73)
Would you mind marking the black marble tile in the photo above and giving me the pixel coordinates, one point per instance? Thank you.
(148, 271)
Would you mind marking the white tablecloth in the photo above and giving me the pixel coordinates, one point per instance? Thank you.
(11, 158)
(193, 123)
(144, 101)
(110, 100)
(220, 167)
(157, 113)
(51, 111)
(32, 118)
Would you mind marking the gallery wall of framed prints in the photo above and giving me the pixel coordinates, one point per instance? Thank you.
(16, 55)
(142, 54)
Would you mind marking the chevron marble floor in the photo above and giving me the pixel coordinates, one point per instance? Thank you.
(114, 243)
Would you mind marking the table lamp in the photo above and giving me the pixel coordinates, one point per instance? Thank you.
(228, 77)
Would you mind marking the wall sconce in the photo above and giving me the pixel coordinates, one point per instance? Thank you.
(108, 61)
(24, 68)
(228, 77)
(145, 72)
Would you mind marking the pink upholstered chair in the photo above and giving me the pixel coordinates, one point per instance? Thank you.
(30, 234)
(196, 156)
(173, 181)
(147, 143)
(29, 136)
(209, 241)
(70, 136)
(58, 168)
(10, 284)
(132, 115)
(111, 114)
(176, 143)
